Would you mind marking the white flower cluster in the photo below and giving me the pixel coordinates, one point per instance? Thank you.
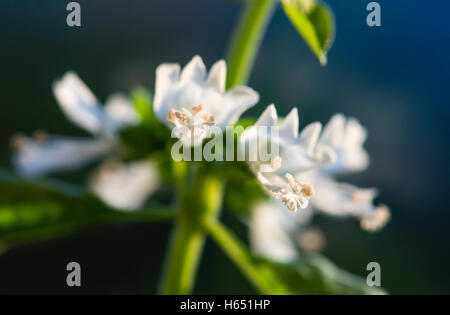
(190, 101)
(314, 157)
(43, 154)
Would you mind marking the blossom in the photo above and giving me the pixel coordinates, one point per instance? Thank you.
(43, 154)
(191, 101)
(346, 138)
(125, 186)
(296, 156)
(337, 150)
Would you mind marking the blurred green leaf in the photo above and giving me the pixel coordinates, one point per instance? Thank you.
(142, 102)
(149, 135)
(35, 210)
(312, 274)
(315, 274)
(315, 22)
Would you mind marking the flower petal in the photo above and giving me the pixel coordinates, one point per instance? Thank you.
(193, 88)
(34, 159)
(119, 109)
(346, 138)
(125, 187)
(289, 126)
(217, 75)
(80, 105)
(167, 75)
(333, 131)
(268, 117)
(236, 101)
(309, 136)
(195, 71)
(341, 199)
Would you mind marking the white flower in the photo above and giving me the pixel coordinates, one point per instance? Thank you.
(125, 186)
(339, 149)
(296, 155)
(342, 199)
(191, 101)
(345, 138)
(44, 154)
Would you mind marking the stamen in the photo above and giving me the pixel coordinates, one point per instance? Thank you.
(377, 220)
(298, 194)
(40, 136)
(190, 126)
(208, 118)
(311, 240)
(197, 109)
(355, 197)
(307, 190)
(171, 116)
(18, 141)
(181, 116)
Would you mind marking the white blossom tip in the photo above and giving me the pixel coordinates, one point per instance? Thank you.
(377, 220)
(268, 117)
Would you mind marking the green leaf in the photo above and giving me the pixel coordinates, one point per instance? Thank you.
(315, 274)
(315, 23)
(31, 211)
(312, 274)
(149, 135)
(141, 99)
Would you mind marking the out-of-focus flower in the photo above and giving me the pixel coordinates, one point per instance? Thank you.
(274, 233)
(44, 154)
(342, 199)
(125, 186)
(346, 137)
(311, 240)
(296, 156)
(191, 100)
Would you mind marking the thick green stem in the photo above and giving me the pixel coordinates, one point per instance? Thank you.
(198, 202)
(201, 200)
(247, 38)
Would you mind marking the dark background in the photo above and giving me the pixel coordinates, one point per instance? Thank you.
(393, 78)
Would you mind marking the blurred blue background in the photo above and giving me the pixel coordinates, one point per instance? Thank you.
(393, 78)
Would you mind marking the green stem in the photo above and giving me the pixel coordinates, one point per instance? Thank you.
(199, 202)
(234, 248)
(247, 39)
